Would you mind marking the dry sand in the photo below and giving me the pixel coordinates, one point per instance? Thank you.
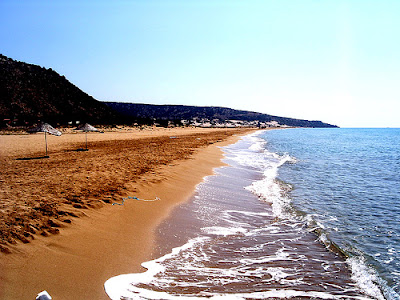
(59, 231)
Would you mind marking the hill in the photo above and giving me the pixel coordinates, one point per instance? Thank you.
(29, 93)
(183, 112)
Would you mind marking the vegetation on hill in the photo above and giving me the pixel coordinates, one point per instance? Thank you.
(29, 93)
(183, 112)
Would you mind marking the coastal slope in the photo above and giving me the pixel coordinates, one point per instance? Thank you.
(29, 93)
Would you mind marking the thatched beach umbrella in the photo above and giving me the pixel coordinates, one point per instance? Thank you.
(86, 128)
(46, 128)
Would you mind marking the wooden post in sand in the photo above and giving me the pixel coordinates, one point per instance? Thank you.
(45, 138)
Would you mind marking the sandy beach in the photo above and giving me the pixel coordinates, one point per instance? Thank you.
(59, 229)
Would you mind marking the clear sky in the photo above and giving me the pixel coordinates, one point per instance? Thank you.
(334, 61)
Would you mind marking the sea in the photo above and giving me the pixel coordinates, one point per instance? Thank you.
(295, 214)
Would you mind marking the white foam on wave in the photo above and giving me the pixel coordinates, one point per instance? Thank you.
(134, 286)
(280, 255)
(365, 277)
(224, 231)
(267, 163)
(252, 155)
(284, 294)
(230, 217)
(275, 294)
(259, 144)
(126, 285)
(268, 188)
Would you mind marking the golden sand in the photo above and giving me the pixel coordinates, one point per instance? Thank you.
(59, 229)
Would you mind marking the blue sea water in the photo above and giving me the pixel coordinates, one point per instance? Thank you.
(261, 227)
(348, 181)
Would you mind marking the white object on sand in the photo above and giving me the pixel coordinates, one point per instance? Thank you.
(43, 296)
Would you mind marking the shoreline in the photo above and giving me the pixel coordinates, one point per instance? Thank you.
(110, 241)
(188, 261)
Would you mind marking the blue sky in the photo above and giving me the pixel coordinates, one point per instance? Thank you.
(335, 61)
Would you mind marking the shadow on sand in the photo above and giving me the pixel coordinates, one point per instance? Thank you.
(30, 158)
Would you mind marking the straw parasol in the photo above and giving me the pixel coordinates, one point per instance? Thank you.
(46, 128)
(86, 128)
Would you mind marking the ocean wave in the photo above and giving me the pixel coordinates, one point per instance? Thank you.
(249, 254)
(273, 191)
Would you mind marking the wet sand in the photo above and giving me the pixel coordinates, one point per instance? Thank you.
(59, 229)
